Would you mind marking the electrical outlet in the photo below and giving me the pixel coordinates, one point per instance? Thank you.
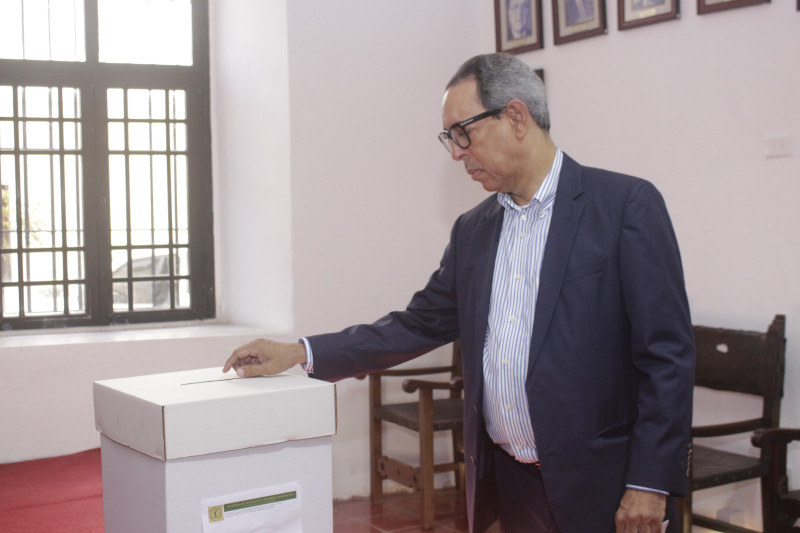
(778, 146)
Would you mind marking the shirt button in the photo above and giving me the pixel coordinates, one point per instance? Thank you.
(509, 407)
(517, 277)
(512, 319)
(506, 362)
(522, 235)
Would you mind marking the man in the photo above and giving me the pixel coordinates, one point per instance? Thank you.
(567, 292)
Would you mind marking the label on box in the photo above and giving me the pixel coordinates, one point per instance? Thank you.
(275, 509)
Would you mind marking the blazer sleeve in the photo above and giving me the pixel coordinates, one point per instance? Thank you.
(430, 320)
(662, 345)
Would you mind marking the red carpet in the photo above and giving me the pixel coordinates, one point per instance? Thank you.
(60, 494)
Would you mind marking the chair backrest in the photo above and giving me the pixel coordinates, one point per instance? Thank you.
(452, 371)
(748, 362)
(457, 371)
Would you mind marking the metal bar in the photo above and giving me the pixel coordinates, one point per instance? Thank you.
(91, 31)
(63, 197)
(170, 107)
(17, 199)
(52, 165)
(23, 191)
(128, 232)
(49, 32)
(78, 203)
(22, 21)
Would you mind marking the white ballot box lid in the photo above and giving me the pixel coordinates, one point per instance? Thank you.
(197, 412)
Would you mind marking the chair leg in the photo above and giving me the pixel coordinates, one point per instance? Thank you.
(767, 513)
(685, 507)
(375, 444)
(426, 458)
(458, 453)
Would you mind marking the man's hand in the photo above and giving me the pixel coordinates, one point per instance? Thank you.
(641, 511)
(264, 356)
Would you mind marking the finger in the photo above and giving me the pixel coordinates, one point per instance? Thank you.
(244, 354)
(232, 361)
(241, 356)
(228, 364)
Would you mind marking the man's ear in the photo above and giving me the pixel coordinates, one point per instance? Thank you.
(520, 117)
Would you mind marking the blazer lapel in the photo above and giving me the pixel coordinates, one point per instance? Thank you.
(563, 225)
(486, 241)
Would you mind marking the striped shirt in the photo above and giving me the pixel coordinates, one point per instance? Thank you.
(508, 336)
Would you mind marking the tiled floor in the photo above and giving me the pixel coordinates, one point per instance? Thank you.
(398, 513)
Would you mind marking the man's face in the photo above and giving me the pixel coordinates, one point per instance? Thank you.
(488, 159)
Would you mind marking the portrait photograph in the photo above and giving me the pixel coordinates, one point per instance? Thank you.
(518, 25)
(710, 6)
(578, 19)
(635, 13)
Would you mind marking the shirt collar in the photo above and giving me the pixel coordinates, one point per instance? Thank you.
(547, 190)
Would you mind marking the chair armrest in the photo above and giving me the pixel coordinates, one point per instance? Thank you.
(412, 385)
(395, 372)
(774, 437)
(731, 428)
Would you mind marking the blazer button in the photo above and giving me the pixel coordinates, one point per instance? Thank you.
(472, 458)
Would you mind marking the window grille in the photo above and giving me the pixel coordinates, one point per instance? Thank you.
(104, 163)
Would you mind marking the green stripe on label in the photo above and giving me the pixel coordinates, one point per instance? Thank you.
(264, 500)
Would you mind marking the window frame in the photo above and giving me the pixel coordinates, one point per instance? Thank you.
(93, 79)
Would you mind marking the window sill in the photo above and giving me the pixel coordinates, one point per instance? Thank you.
(193, 330)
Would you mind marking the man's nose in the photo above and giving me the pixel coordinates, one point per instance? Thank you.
(456, 152)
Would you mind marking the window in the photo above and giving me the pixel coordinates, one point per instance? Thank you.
(105, 166)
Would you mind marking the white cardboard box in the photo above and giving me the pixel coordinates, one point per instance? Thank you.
(171, 440)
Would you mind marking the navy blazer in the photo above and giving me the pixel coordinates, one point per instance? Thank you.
(611, 366)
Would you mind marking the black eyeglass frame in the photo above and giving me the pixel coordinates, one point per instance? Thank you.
(445, 136)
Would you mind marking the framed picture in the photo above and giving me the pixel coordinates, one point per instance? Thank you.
(518, 25)
(709, 6)
(634, 13)
(578, 19)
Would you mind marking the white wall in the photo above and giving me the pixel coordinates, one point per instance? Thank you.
(333, 199)
(252, 189)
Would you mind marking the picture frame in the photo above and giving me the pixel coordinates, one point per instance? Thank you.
(711, 6)
(578, 19)
(518, 25)
(635, 13)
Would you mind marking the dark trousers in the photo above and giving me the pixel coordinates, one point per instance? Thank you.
(521, 501)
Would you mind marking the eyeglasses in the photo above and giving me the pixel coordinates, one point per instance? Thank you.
(458, 133)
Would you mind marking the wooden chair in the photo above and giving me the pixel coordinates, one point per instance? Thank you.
(426, 415)
(747, 362)
(781, 505)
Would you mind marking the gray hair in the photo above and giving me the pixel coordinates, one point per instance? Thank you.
(502, 78)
